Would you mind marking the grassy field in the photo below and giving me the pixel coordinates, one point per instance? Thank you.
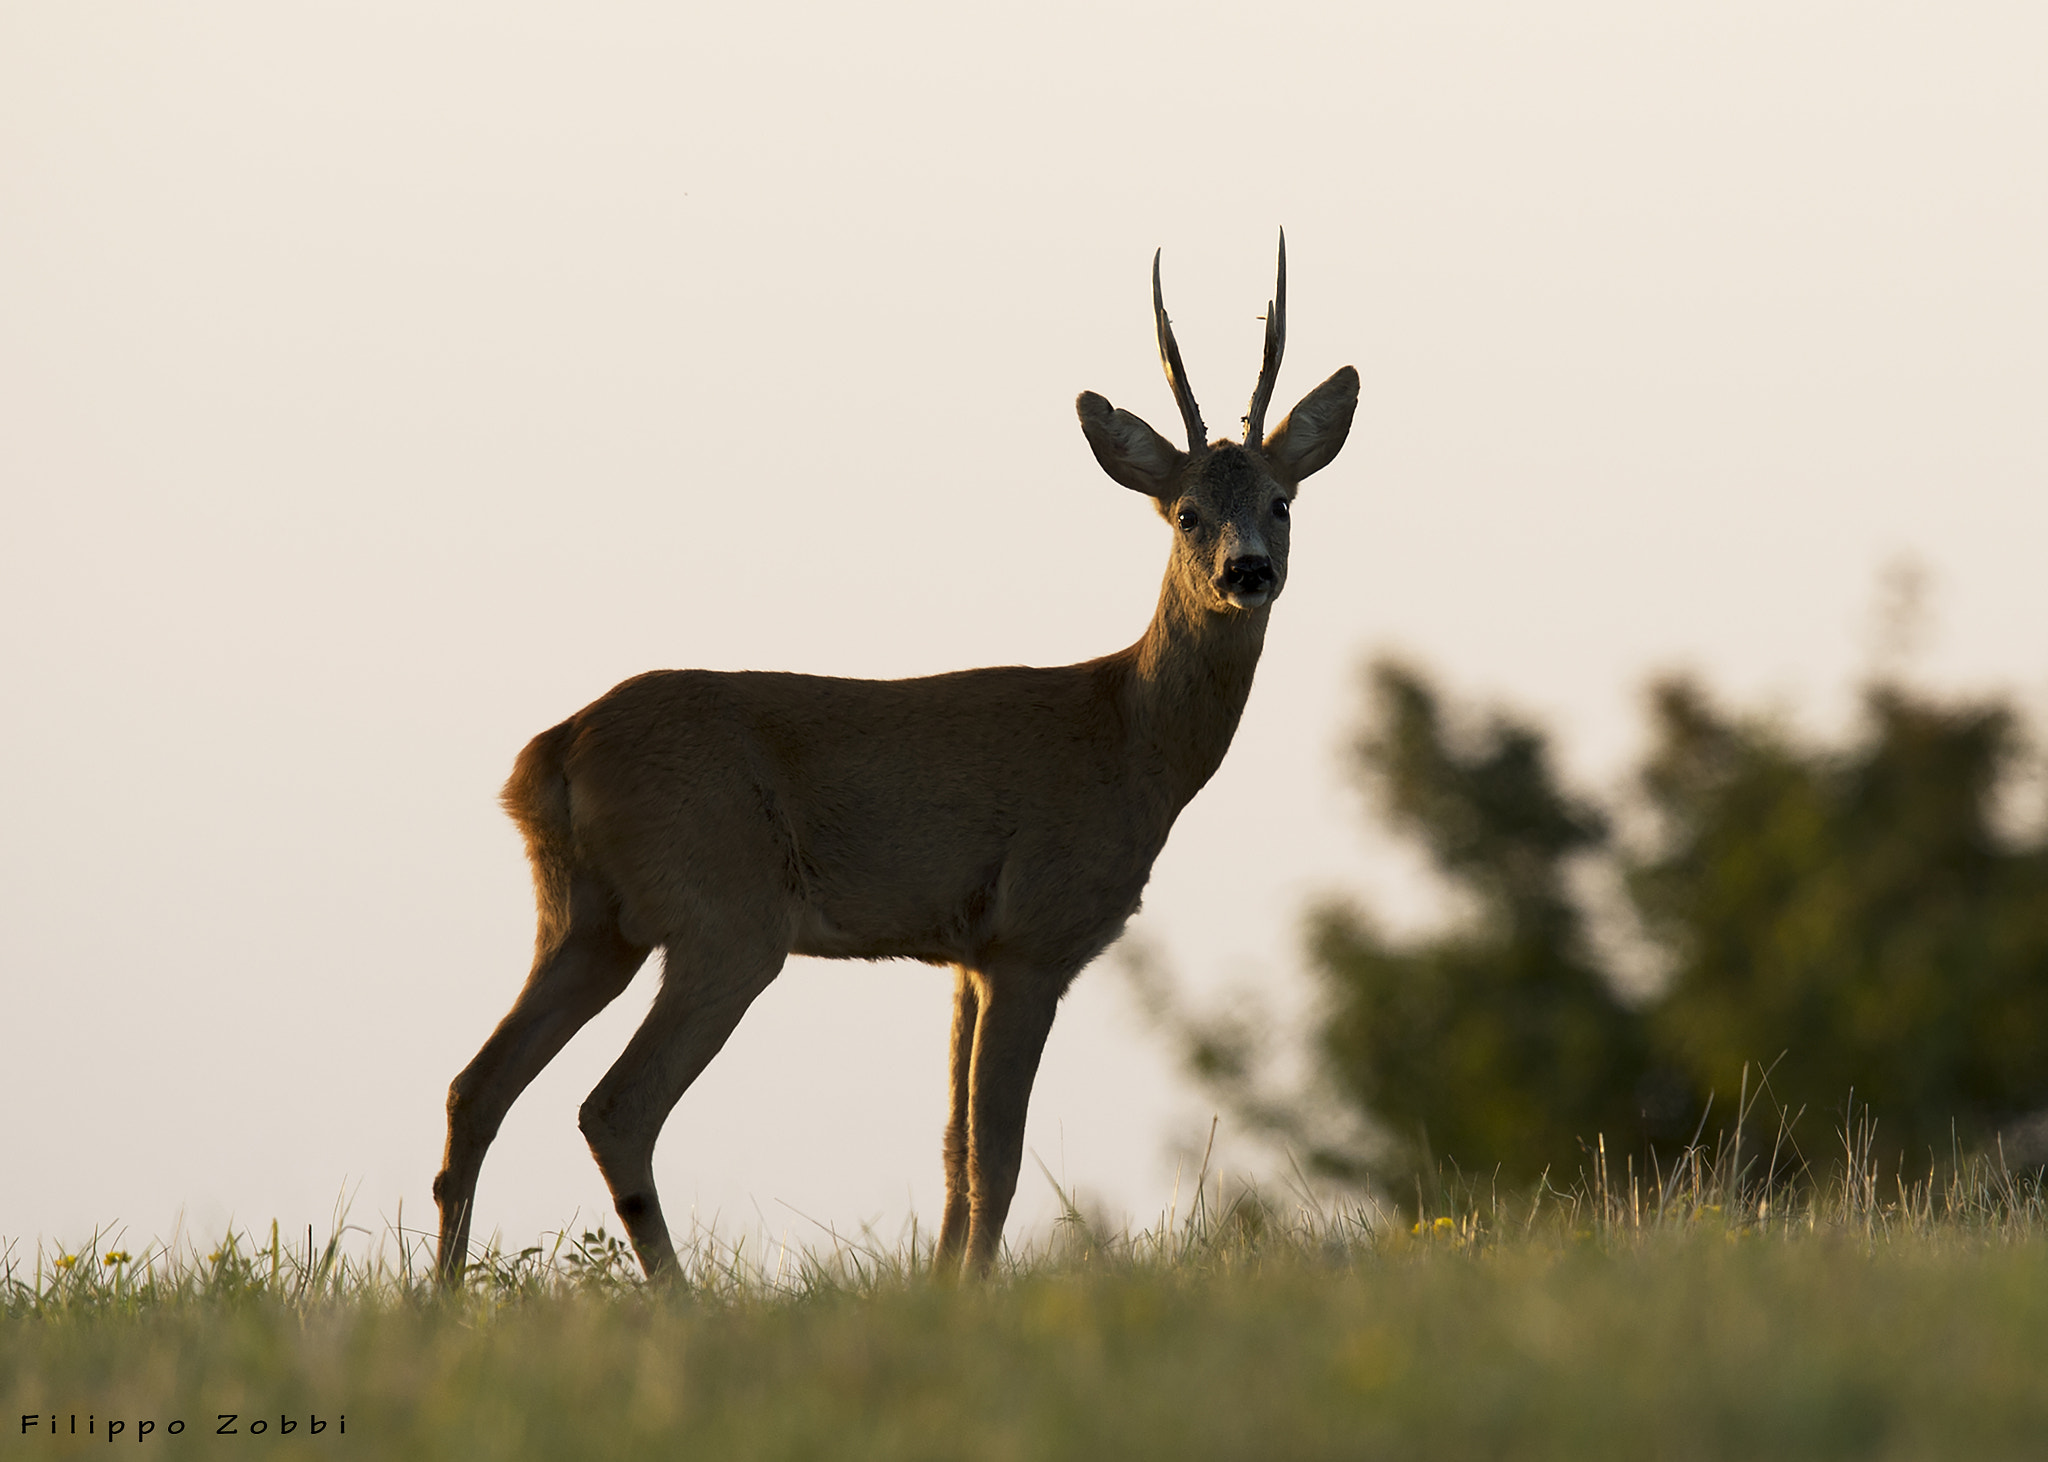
(1613, 1320)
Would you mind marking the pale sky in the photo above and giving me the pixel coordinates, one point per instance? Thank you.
(381, 383)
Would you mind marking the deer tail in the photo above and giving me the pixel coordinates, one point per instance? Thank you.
(536, 796)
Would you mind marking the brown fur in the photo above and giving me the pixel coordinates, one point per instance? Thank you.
(1003, 821)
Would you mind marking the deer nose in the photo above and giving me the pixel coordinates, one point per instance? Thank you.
(1250, 574)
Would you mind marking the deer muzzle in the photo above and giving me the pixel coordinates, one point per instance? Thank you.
(1248, 580)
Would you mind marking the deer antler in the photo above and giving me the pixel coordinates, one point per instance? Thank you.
(1276, 343)
(1176, 373)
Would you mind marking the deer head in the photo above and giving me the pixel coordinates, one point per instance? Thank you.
(1229, 502)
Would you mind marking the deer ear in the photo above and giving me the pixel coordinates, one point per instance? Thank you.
(1129, 451)
(1315, 430)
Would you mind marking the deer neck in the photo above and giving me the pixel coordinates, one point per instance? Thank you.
(1192, 675)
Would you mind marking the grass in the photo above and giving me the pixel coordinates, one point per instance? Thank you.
(1703, 1313)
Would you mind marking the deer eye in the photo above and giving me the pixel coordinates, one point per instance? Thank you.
(1280, 509)
(1188, 519)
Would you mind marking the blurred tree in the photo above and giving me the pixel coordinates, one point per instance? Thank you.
(1499, 1045)
(1854, 909)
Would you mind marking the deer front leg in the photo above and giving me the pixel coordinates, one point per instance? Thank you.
(953, 1229)
(1014, 1018)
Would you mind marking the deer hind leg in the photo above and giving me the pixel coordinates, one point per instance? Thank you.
(578, 975)
(953, 1229)
(1009, 1037)
(706, 987)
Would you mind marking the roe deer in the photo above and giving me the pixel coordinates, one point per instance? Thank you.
(1002, 821)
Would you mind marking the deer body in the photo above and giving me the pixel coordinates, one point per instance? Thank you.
(1003, 821)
